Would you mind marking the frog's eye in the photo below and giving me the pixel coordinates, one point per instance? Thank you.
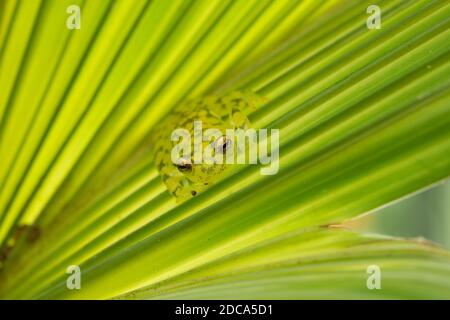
(222, 144)
(184, 165)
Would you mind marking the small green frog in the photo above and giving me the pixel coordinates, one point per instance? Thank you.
(185, 178)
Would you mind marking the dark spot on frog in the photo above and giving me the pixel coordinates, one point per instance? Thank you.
(184, 165)
(193, 192)
(223, 144)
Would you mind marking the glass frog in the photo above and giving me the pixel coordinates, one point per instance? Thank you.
(186, 179)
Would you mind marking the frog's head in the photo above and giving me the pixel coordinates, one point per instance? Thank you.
(197, 177)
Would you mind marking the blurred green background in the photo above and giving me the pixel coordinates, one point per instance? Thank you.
(425, 214)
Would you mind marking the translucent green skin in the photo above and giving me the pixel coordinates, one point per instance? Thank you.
(218, 112)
